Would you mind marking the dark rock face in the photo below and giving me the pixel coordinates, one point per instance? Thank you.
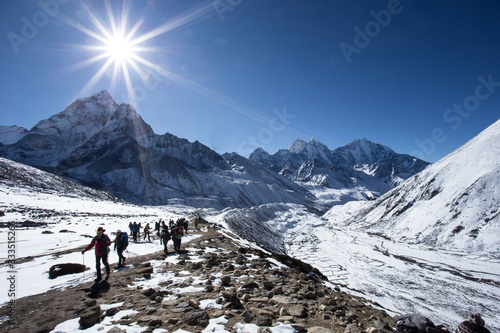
(64, 269)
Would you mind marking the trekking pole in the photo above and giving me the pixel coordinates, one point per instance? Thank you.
(84, 267)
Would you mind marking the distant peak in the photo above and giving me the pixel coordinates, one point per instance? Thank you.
(260, 150)
(364, 142)
(101, 96)
(103, 93)
(316, 142)
(360, 140)
(297, 146)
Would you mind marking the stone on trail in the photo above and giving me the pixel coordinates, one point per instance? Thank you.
(90, 317)
(196, 318)
(64, 269)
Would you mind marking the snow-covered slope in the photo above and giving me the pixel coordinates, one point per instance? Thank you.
(15, 176)
(454, 203)
(11, 134)
(107, 146)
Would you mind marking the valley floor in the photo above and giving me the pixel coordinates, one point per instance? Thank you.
(442, 285)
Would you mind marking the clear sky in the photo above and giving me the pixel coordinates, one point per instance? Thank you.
(422, 77)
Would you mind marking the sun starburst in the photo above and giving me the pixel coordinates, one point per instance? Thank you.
(123, 50)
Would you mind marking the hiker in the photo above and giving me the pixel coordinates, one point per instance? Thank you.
(177, 233)
(146, 232)
(165, 237)
(162, 228)
(135, 229)
(185, 225)
(101, 242)
(171, 223)
(475, 324)
(157, 227)
(121, 243)
(196, 221)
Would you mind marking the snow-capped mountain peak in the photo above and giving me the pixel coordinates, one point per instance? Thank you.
(297, 146)
(362, 165)
(362, 151)
(99, 143)
(11, 134)
(103, 98)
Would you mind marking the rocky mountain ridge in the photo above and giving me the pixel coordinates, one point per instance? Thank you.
(98, 143)
(359, 164)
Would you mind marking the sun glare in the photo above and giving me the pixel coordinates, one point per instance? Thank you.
(120, 49)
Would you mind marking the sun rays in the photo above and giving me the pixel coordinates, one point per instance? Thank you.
(119, 47)
(123, 52)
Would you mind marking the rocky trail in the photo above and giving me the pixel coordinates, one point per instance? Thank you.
(214, 284)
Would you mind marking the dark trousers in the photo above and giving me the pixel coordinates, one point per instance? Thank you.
(121, 258)
(177, 244)
(104, 259)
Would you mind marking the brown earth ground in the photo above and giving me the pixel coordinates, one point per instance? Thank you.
(288, 294)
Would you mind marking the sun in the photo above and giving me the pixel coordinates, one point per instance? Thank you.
(120, 49)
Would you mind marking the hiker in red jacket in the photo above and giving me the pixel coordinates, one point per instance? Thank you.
(102, 243)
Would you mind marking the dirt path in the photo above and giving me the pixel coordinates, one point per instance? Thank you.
(219, 269)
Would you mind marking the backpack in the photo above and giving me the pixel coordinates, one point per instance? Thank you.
(125, 240)
(165, 235)
(178, 232)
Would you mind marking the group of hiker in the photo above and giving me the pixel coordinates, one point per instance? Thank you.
(102, 242)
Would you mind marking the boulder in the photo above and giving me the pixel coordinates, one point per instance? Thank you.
(226, 280)
(297, 310)
(262, 320)
(64, 269)
(235, 302)
(90, 317)
(196, 318)
(111, 312)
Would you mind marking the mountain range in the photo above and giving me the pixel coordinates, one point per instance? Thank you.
(453, 203)
(106, 146)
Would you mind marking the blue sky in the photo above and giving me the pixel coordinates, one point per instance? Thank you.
(422, 77)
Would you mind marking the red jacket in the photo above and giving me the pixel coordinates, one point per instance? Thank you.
(101, 245)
